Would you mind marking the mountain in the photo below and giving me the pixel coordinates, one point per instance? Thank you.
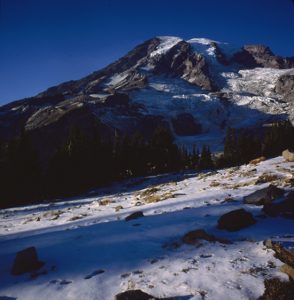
(197, 88)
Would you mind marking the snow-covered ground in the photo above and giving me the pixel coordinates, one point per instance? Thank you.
(91, 252)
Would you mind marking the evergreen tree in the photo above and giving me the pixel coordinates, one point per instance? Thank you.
(205, 161)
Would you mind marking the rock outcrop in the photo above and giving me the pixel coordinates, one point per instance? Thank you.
(185, 125)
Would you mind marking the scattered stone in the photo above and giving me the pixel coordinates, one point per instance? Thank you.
(125, 275)
(95, 273)
(65, 282)
(26, 261)
(193, 237)
(283, 208)
(135, 215)
(288, 155)
(275, 289)
(236, 220)
(264, 196)
(134, 295)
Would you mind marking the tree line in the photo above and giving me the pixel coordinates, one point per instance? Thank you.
(86, 161)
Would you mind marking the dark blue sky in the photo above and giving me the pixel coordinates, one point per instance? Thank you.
(46, 42)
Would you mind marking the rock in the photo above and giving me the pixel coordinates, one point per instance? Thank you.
(236, 220)
(288, 155)
(283, 208)
(275, 289)
(264, 196)
(281, 253)
(185, 125)
(193, 237)
(183, 62)
(252, 56)
(288, 270)
(26, 261)
(135, 215)
(134, 295)
(285, 87)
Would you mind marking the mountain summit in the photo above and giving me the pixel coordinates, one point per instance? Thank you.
(197, 88)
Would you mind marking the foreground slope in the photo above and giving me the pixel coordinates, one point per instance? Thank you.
(91, 252)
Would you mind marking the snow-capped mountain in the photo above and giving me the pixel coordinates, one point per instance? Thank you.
(197, 88)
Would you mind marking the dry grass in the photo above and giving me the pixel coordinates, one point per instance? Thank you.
(55, 214)
(77, 217)
(215, 184)
(257, 160)
(267, 177)
(105, 202)
(149, 192)
(118, 208)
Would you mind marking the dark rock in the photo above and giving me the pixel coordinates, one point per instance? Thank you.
(185, 125)
(135, 215)
(220, 56)
(181, 61)
(134, 295)
(275, 289)
(26, 261)
(283, 208)
(264, 196)
(236, 220)
(193, 237)
(253, 56)
(117, 99)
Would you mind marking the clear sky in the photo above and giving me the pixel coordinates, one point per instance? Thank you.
(46, 42)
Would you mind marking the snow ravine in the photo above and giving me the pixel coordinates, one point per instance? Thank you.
(92, 253)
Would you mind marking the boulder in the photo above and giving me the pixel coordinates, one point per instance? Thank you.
(26, 261)
(134, 295)
(135, 215)
(283, 208)
(185, 125)
(275, 289)
(236, 220)
(288, 155)
(193, 237)
(264, 196)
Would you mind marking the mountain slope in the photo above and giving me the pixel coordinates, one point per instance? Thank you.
(203, 83)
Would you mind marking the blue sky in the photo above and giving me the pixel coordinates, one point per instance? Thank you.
(46, 42)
